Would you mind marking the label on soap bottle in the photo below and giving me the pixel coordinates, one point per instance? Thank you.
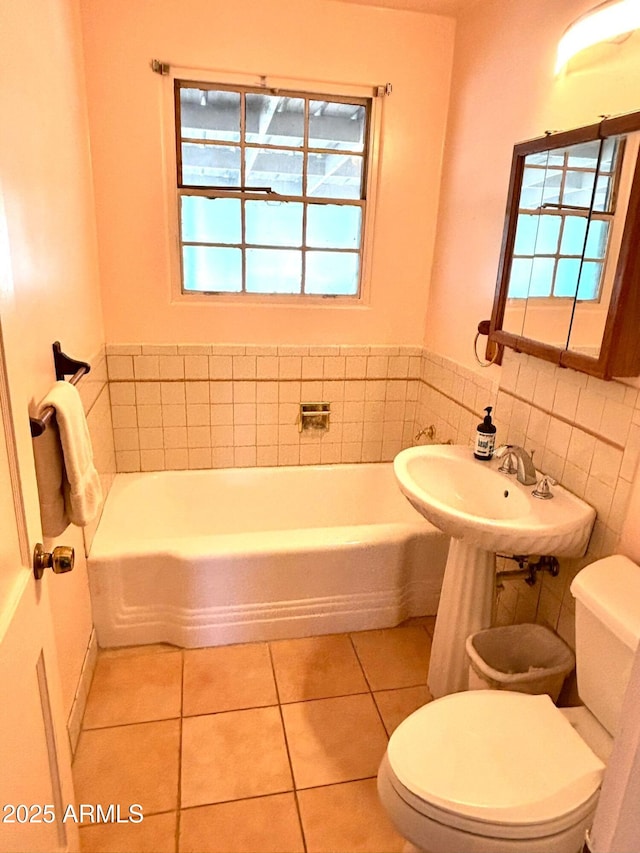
(485, 443)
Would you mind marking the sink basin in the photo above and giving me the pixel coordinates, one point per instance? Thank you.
(473, 501)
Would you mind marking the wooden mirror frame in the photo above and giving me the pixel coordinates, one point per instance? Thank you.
(620, 348)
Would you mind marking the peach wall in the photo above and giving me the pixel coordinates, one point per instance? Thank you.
(50, 287)
(314, 40)
(503, 92)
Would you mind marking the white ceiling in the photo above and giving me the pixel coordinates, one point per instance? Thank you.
(437, 7)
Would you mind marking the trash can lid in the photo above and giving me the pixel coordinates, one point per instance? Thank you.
(610, 589)
(495, 756)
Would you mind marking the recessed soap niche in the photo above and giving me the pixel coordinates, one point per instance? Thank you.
(314, 417)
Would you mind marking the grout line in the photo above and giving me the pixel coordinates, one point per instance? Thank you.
(179, 793)
(133, 723)
(286, 743)
(574, 424)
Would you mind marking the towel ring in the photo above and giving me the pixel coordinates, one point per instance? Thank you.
(483, 329)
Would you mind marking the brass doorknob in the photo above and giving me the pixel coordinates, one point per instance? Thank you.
(61, 560)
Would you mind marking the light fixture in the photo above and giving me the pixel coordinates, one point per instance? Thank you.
(603, 23)
(203, 99)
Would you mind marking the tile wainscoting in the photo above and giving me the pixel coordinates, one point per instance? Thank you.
(218, 406)
(201, 406)
(584, 432)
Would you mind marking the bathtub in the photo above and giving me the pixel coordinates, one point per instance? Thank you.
(202, 558)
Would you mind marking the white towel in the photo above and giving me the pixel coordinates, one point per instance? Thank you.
(79, 483)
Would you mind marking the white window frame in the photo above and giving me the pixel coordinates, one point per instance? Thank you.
(172, 194)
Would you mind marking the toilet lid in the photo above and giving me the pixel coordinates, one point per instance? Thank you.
(495, 755)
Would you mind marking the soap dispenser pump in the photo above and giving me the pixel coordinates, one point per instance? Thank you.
(485, 438)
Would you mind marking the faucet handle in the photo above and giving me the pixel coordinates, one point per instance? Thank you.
(542, 490)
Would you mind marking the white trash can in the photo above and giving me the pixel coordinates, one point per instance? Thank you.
(527, 658)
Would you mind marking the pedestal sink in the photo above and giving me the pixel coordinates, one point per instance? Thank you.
(484, 512)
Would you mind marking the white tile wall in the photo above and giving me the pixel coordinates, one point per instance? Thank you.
(94, 392)
(200, 406)
(216, 406)
(583, 431)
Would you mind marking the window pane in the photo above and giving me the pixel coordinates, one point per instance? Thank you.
(520, 278)
(578, 188)
(210, 165)
(274, 271)
(274, 119)
(336, 126)
(210, 220)
(212, 269)
(332, 273)
(526, 233)
(589, 287)
(567, 273)
(273, 223)
(531, 193)
(573, 234)
(334, 175)
(551, 188)
(610, 153)
(597, 239)
(584, 155)
(541, 277)
(208, 114)
(540, 158)
(603, 200)
(333, 226)
(548, 233)
(280, 170)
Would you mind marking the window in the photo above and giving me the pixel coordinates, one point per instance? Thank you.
(567, 204)
(271, 190)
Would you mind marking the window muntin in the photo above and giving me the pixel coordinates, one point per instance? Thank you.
(276, 180)
(566, 210)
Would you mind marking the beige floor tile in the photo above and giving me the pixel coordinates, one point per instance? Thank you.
(317, 668)
(155, 834)
(334, 740)
(228, 678)
(396, 705)
(129, 764)
(134, 689)
(347, 817)
(259, 825)
(233, 755)
(394, 657)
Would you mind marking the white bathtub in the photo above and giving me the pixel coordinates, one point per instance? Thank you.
(199, 558)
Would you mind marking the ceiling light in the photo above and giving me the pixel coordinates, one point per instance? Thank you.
(603, 23)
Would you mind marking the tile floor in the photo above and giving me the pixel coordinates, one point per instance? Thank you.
(257, 748)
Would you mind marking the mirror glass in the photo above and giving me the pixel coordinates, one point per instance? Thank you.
(571, 212)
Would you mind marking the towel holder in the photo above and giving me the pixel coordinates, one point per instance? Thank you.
(64, 366)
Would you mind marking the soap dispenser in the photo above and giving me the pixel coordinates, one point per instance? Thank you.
(485, 438)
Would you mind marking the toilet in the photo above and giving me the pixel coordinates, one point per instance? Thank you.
(494, 771)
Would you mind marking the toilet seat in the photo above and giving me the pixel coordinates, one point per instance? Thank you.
(486, 759)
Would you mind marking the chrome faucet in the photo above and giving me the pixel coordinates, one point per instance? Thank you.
(517, 462)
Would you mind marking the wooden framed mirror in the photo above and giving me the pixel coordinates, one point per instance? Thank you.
(568, 287)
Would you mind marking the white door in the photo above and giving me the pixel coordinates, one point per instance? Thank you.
(35, 770)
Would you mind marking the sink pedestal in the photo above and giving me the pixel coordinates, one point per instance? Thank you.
(466, 606)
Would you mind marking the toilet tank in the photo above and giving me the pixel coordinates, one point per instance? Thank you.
(607, 595)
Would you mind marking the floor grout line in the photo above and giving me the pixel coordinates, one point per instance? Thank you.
(179, 792)
(286, 743)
